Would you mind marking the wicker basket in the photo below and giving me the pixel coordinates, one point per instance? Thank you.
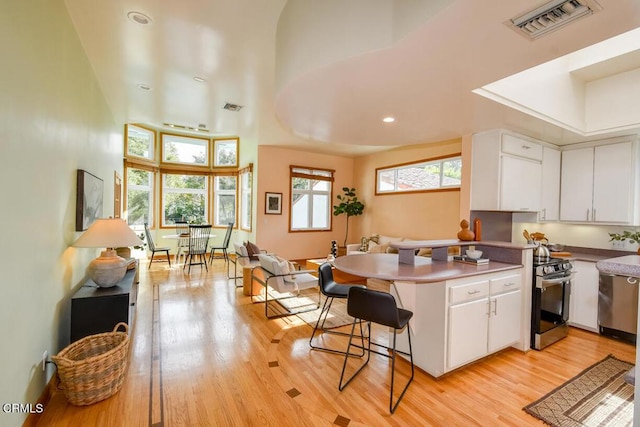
(93, 368)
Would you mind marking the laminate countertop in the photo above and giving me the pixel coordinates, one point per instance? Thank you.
(628, 265)
(425, 270)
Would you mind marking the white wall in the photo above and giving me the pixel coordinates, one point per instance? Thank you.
(53, 120)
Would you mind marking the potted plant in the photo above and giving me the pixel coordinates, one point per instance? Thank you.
(631, 236)
(349, 205)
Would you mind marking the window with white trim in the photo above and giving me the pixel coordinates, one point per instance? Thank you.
(140, 142)
(245, 200)
(225, 200)
(185, 150)
(139, 202)
(437, 174)
(311, 192)
(184, 198)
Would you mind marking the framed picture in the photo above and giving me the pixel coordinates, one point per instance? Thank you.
(273, 203)
(88, 199)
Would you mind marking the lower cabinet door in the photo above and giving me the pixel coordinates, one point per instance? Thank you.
(504, 320)
(467, 332)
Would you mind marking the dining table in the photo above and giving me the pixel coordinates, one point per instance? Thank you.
(178, 237)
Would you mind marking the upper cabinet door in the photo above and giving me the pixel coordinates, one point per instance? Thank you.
(520, 184)
(613, 183)
(577, 185)
(550, 195)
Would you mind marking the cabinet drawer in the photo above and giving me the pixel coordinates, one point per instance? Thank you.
(520, 147)
(468, 292)
(505, 284)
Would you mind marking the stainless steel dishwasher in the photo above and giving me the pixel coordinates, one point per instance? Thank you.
(618, 306)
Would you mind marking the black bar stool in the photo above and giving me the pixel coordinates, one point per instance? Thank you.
(377, 307)
(331, 290)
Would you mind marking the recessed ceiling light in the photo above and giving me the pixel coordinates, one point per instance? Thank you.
(144, 87)
(389, 119)
(199, 79)
(139, 18)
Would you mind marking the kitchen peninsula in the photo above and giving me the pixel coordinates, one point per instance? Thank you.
(462, 312)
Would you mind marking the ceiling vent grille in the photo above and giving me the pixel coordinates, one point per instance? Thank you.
(552, 16)
(232, 107)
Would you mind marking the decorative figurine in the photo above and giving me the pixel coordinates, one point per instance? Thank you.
(465, 234)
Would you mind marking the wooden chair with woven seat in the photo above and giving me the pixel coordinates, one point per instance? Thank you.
(153, 248)
(223, 247)
(198, 243)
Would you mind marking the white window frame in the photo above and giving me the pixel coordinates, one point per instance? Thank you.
(168, 138)
(311, 174)
(150, 135)
(170, 190)
(218, 193)
(442, 185)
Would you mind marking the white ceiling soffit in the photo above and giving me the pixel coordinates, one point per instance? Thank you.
(590, 92)
(552, 16)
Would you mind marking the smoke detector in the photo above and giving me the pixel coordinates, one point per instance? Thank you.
(552, 16)
(232, 107)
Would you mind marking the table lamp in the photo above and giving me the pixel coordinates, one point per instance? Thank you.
(110, 233)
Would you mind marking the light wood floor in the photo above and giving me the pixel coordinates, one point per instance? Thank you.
(203, 355)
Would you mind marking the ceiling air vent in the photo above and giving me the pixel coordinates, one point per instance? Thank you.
(232, 107)
(552, 15)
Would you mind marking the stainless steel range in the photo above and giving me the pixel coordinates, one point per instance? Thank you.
(550, 302)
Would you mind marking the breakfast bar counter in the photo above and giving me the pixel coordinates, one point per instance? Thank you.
(424, 270)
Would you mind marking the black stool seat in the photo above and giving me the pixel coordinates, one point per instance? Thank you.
(377, 307)
(330, 289)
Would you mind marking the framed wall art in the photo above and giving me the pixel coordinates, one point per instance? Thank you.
(88, 199)
(273, 204)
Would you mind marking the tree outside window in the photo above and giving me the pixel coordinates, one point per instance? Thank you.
(139, 197)
(225, 194)
(184, 198)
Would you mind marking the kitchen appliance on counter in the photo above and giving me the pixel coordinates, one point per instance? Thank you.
(550, 300)
(618, 306)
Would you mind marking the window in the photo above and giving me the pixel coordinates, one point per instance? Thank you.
(225, 193)
(184, 198)
(225, 152)
(437, 174)
(139, 197)
(310, 199)
(245, 199)
(140, 142)
(185, 150)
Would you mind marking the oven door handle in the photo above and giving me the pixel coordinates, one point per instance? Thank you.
(544, 283)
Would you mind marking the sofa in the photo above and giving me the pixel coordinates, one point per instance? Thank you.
(377, 243)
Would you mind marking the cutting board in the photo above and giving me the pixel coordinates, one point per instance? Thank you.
(561, 254)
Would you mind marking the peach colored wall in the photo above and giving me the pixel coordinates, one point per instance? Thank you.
(272, 175)
(433, 215)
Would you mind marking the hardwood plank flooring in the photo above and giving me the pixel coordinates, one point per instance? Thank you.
(203, 355)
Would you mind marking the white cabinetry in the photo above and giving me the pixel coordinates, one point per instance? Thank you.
(506, 172)
(583, 310)
(599, 184)
(550, 194)
(484, 317)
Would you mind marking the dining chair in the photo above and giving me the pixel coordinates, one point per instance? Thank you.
(182, 230)
(377, 307)
(223, 247)
(331, 290)
(153, 248)
(198, 243)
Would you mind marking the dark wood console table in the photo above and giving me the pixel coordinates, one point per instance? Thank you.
(95, 310)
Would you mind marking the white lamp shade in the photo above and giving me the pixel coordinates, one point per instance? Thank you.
(108, 233)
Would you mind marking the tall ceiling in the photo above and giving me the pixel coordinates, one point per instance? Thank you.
(322, 75)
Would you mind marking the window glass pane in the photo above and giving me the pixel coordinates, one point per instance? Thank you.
(386, 180)
(321, 185)
(225, 200)
(226, 153)
(184, 199)
(181, 149)
(225, 183)
(420, 176)
(226, 209)
(300, 183)
(140, 142)
(320, 209)
(139, 197)
(452, 173)
(300, 212)
(245, 200)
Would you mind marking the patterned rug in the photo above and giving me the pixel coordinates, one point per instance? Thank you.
(598, 396)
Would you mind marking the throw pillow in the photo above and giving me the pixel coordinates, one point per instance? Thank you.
(375, 238)
(252, 250)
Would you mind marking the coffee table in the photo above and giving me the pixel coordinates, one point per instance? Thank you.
(338, 276)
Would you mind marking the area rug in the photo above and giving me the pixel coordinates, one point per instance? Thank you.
(598, 396)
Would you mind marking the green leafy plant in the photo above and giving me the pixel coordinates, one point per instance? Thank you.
(349, 205)
(631, 236)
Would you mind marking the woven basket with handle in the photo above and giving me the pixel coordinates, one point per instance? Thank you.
(93, 368)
